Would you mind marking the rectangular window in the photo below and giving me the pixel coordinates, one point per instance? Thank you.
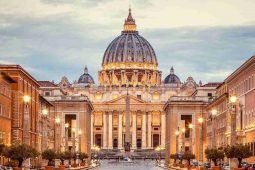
(139, 96)
(47, 93)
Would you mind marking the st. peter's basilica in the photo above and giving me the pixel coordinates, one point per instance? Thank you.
(129, 66)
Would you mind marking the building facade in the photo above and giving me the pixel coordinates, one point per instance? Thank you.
(229, 122)
(72, 118)
(185, 125)
(24, 116)
(5, 108)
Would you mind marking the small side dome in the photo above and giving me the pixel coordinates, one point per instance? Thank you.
(172, 78)
(86, 79)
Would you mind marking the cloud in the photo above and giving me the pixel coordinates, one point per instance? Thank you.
(53, 38)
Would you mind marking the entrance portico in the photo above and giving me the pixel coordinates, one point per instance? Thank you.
(146, 124)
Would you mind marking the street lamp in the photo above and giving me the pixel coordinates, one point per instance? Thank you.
(26, 124)
(80, 133)
(73, 132)
(214, 112)
(177, 133)
(213, 115)
(57, 121)
(44, 121)
(233, 99)
(232, 109)
(26, 99)
(200, 121)
(183, 130)
(190, 136)
(66, 136)
(159, 149)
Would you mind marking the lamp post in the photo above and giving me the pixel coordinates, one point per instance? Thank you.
(200, 121)
(26, 123)
(57, 121)
(183, 139)
(159, 149)
(73, 139)
(66, 136)
(80, 133)
(190, 137)
(45, 135)
(232, 102)
(213, 114)
(177, 133)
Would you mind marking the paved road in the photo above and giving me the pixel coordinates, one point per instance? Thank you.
(137, 165)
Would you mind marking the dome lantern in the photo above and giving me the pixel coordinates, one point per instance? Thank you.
(129, 24)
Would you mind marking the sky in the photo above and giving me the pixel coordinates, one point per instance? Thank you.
(205, 39)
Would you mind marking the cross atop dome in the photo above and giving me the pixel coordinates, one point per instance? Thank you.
(172, 70)
(86, 70)
(129, 24)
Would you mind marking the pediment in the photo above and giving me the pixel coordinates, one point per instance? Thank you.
(122, 100)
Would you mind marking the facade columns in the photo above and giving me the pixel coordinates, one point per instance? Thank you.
(144, 131)
(163, 129)
(120, 140)
(149, 131)
(110, 141)
(134, 130)
(104, 131)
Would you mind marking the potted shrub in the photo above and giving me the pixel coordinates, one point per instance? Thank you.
(61, 156)
(214, 155)
(188, 156)
(2, 148)
(21, 152)
(83, 157)
(74, 156)
(68, 156)
(174, 157)
(239, 152)
(50, 155)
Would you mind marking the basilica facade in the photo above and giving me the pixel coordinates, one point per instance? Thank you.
(129, 67)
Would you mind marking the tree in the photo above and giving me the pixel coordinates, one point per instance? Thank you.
(214, 154)
(50, 155)
(21, 152)
(68, 156)
(238, 151)
(2, 146)
(61, 156)
(83, 156)
(188, 156)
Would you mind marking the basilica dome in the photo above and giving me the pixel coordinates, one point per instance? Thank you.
(129, 60)
(86, 78)
(172, 78)
(129, 48)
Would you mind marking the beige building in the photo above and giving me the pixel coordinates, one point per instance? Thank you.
(72, 118)
(233, 122)
(185, 126)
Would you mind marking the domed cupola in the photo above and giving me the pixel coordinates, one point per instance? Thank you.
(128, 58)
(86, 79)
(172, 78)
